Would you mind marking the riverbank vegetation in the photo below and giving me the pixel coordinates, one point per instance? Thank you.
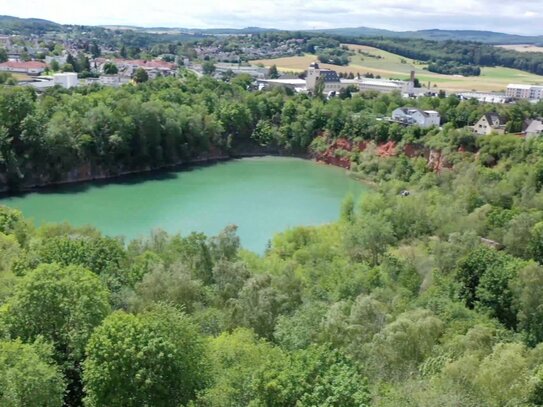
(99, 132)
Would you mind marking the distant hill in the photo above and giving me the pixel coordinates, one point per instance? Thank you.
(16, 25)
(203, 31)
(488, 37)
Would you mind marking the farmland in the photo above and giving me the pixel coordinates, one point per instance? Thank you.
(388, 65)
(522, 47)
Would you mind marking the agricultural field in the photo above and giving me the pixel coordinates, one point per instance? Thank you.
(522, 47)
(389, 65)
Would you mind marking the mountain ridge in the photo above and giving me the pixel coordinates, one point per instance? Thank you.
(11, 24)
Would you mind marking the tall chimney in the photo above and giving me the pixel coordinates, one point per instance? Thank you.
(412, 78)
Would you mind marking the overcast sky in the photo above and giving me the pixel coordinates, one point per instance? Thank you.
(513, 16)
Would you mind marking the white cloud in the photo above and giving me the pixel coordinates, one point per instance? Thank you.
(520, 16)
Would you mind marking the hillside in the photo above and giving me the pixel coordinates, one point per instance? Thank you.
(488, 37)
(15, 25)
(11, 25)
(389, 65)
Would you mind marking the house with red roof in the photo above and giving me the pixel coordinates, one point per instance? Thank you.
(28, 67)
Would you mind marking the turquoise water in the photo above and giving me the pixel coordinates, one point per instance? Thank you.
(262, 196)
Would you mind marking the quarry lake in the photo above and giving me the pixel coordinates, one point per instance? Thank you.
(262, 196)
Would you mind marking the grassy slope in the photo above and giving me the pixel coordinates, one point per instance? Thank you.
(391, 66)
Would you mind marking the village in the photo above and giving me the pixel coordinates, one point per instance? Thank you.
(42, 67)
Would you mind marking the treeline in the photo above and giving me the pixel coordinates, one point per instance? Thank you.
(398, 303)
(453, 68)
(107, 131)
(463, 53)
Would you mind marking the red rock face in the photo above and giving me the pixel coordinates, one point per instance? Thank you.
(387, 149)
(338, 151)
(437, 161)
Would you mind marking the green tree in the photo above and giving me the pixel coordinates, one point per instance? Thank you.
(70, 60)
(347, 209)
(273, 73)
(67, 68)
(315, 376)
(156, 358)
(95, 50)
(3, 55)
(174, 285)
(110, 68)
(123, 52)
(403, 344)
(536, 243)
(529, 303)
(28, 376)
(368, 238)
(103, 255)
(54, 65)
(208, 68)
(63, 305)
(235, 357)
(140, 75)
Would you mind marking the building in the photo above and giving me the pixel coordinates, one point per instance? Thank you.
(329, 78)
(500, 98)
(489, 123)
(332, 83)
(388, 85)
(67, 80)
(532, 92)
(60, 59)
(254, 71)
(29, 67)
(297, 85)
(412, 116)
(5, 41)
(534, 128)
(112, 80)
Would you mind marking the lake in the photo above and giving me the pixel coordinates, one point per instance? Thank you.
(262, 196)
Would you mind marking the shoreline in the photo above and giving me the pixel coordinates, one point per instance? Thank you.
(184, 166)
(130, 175)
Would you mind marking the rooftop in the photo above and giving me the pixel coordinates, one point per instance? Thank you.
(23, 65)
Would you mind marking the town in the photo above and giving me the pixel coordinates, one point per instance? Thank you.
(82, 56)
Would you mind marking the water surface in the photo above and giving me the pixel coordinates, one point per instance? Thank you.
(262, 196)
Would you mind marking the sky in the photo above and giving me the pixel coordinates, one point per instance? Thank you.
(512, 16)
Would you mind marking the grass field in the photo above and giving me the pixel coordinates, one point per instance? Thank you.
(20, 77)
(522, 47)
(388, 65)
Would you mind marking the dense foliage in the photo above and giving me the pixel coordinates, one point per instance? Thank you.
(398, 303)
(94, 132)
(427, 298)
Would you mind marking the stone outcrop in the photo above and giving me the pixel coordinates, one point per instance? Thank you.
(339, 153)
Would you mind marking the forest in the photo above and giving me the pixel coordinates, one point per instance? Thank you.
(459, 53)
(431, 298)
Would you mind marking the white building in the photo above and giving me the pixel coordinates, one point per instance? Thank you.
(388, 85)
(489, 123)
(485, 97)
(67, 79)
(111, 80)
(534, 129)
(413, 116)
(517, 91)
